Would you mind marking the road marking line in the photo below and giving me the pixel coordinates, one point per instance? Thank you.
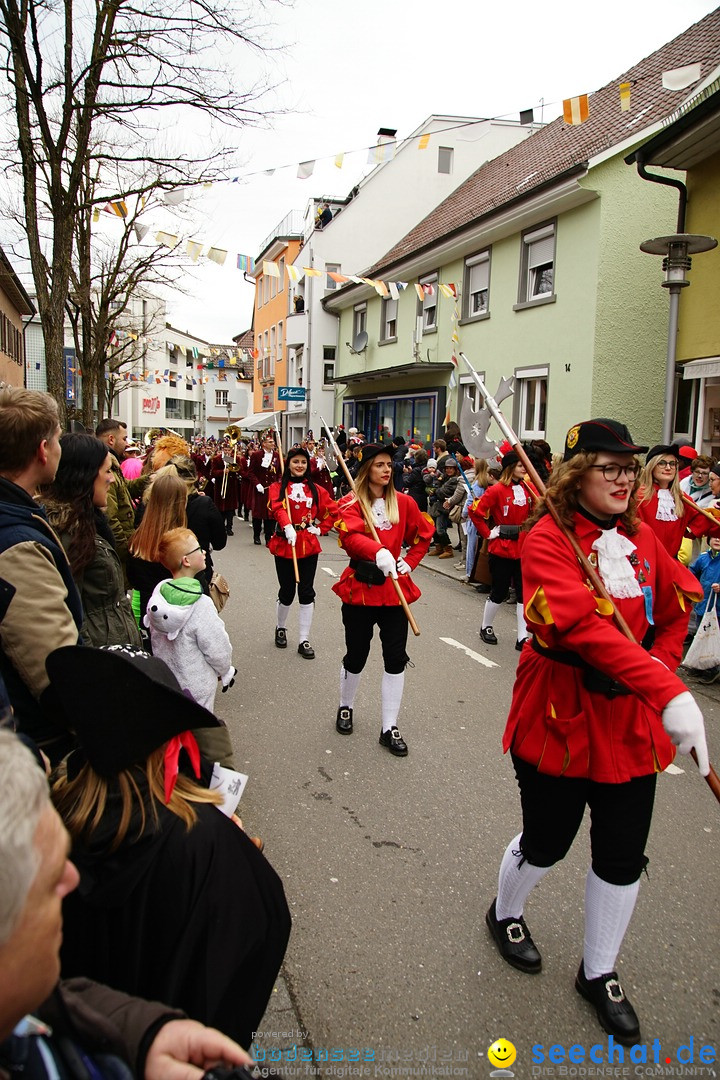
(469, 652)
(327, 570)
(673, 769)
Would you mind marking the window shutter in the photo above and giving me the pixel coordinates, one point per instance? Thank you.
(541, 251)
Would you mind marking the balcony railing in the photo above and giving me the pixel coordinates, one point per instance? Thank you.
(291, 225)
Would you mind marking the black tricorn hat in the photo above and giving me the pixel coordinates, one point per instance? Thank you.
(661, 448)
(509, 459)
(121, 703)
(371, 450)
(600, 434)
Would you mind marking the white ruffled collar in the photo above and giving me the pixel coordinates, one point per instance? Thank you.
(379, 515)
(665, 505)
(614, 566)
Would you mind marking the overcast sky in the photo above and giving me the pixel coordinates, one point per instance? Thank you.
(349, 68)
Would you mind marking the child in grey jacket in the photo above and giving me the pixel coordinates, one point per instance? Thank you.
(189, 635)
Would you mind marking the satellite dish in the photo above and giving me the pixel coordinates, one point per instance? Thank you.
(360, 342)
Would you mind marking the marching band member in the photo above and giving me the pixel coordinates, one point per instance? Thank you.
(499, 516)
(368, 597)
(303, 512)
(661, 504)
(594, 716)
(263, 470)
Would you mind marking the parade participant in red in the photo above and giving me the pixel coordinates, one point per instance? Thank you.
(368, 597)
(594, 716)
(303, 512)
(224, 475)
(263, 470)
(661, 503)
(319, 467)
(499, 516)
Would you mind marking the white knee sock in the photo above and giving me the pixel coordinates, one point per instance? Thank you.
(305, 621)
(521, 624)
(516, 879)
(349, 682)
(282, 614)
(489, 613)
(391, 694)
(608, 909)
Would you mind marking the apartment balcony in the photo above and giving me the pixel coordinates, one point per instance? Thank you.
(296, 330)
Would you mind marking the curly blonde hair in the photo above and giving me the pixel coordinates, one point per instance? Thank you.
(562, 490)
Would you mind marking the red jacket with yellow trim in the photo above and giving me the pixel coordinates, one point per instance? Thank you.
(414, 528)
(555, 722)
(671, 533)
(304, 511)
(497, 506)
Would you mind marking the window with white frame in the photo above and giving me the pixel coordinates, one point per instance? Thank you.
(328, 364)
(389, 319)
(538, 264)
(260, 354)
(471, 391)
(428, 307)
(279, 353)
(331, 268)
(281, 279)
(221, 399)
(299, 367)
(532, 385)
(359, 319)
(445, 159)
(273, 287)
(477, 284)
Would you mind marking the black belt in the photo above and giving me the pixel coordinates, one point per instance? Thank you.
(595, 681)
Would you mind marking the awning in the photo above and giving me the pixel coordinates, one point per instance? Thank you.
(256, 421)
(707, 368)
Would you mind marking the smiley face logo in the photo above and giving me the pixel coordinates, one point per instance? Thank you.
(501, 1054)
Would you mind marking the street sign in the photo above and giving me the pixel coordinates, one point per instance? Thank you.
(291, 393)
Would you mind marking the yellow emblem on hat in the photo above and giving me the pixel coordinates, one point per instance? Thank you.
(572, 437)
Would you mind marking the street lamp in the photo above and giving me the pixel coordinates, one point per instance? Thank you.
(676, 250)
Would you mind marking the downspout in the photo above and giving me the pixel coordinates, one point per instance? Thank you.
(669, 181)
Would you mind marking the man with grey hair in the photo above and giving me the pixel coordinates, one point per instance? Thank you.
(40, 607)
(77, 1028)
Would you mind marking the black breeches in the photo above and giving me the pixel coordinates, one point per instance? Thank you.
(266, 525)
(620, 816)
(286, 578)
(504, 573)
(359, 623)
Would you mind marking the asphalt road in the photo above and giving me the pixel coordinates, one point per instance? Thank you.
(390, 864)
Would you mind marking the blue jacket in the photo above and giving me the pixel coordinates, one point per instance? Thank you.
(707, 569)
(40, 611)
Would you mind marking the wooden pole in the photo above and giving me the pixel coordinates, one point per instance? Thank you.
(587, 567)
(371, 526)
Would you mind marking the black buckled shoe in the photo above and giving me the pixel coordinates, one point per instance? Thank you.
(614, 1011)
(520, 643)
(343, 723)
(514, 942)
(306, 650)
(394, 742)
(281, 637)
(488, 635)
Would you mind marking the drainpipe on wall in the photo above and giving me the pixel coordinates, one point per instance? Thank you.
(668, 181)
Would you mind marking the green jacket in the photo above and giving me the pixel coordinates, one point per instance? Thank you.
(120, 509)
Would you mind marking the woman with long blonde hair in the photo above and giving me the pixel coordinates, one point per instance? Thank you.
(176, 903)
(662, 505)
(165, 508)
(368, 595)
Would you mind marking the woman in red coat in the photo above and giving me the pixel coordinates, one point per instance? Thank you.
(662, 505)
(303, 512)
(499, 516)
(368, 596)
(594, 716)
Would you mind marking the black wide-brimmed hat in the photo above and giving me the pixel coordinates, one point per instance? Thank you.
(600, 434)
(121, 703)
(508, 460)
(371, 450)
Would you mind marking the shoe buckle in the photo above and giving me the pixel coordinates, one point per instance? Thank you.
(344, 714)
(515, 932)
(395, 734)
(614, 990)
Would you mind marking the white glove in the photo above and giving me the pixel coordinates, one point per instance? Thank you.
(290, 535)
(385, 562)
(683, 722)
(228, 679)
(260, 488)
(494, 533)
(402, 566)
(314, 530)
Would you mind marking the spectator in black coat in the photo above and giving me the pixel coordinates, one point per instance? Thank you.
(415, 480)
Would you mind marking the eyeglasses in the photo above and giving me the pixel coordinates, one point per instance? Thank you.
(662, 464)
(614, 472)
(188, 553)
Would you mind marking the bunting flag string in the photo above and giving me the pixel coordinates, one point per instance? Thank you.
(576, 110)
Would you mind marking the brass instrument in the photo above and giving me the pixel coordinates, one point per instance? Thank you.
(153, 434)
(234, 434)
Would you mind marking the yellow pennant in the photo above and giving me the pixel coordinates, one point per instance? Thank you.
(625, 96)
(293, 273)
(423, 142)
(271, 269)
